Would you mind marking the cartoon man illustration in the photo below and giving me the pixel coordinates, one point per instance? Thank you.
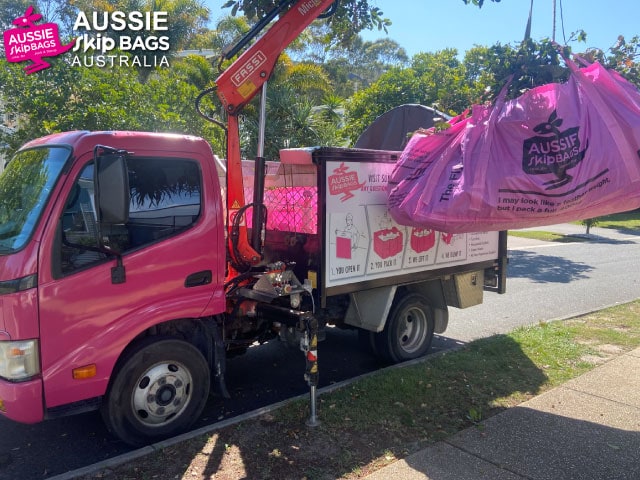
(350, 231)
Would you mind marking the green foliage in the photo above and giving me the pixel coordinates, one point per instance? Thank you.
(328, 96)
(436, 80)
(185, 20)
(295, 111)
(225, 32)
(442, 81)
(63, 98)
(478, 3)
(350, 66)
(621, 221)
(590, 222)
(396, 87)
(623, 56)
(351, 17)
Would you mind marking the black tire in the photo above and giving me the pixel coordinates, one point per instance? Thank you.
(159, 390)
(408, 331)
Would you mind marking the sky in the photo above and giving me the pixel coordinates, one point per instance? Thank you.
(432, 25)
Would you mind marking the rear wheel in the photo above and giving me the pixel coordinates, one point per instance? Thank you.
(159, 390)
(408, 331)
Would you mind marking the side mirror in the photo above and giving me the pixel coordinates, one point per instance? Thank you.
(111, 190)
(111, 179)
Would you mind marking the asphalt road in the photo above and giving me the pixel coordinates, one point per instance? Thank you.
(550, 281)
(547, 281)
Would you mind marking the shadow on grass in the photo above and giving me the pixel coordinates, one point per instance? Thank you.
(392, 413)
(545, 268)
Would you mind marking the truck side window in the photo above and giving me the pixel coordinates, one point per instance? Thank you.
(165, 200)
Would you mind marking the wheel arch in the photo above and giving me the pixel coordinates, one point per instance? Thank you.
(369, 309)
(434, 292)
(196, 331)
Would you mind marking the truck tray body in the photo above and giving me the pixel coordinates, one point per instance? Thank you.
(327, 212)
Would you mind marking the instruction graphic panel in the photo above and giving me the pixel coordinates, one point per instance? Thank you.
(349, 243)
(386, 247)
(365, 243)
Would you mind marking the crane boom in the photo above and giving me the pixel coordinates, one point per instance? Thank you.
(243, 79)
(237, 86)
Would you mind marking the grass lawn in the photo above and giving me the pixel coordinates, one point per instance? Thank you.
(620, 221)
(547, 236)
(627, 221)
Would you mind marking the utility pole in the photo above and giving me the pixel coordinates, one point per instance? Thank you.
(553, 34)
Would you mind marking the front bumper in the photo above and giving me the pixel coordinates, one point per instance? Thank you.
(22, 402)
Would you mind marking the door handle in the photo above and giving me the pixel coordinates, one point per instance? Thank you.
(198, 279)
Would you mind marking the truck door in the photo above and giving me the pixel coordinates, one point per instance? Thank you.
(86, 318)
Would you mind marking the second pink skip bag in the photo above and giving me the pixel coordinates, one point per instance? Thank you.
(558, 153)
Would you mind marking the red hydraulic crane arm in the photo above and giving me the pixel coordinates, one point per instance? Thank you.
(236, 86)
(243, 79)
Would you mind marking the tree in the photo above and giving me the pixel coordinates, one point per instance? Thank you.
(590, 222)
(225, 32)
(63, 98)
(436, 80)
(10, 10)
(351, 17)
(297, 116)
(479, 3)
(396, 87)
(350, 66)
(623, 56)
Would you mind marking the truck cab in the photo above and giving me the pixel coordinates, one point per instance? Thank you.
(79, 286)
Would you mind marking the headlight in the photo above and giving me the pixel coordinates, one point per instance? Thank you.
(19, 360)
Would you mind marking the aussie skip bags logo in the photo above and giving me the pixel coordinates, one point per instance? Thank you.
(553, 152)
(102, 39)
(344, 182)
(31, 42)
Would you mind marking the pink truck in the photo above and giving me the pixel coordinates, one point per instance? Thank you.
(116, 292)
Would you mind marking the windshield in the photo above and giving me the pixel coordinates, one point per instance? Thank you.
(25, 185)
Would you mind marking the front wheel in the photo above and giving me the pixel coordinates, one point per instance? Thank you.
(408, 331)
(159, 390)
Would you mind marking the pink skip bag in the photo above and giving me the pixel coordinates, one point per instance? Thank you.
(558, 153)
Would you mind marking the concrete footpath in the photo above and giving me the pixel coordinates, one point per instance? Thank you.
(586, 429)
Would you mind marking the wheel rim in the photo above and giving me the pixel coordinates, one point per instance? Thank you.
(413, 328)
(161, 394)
